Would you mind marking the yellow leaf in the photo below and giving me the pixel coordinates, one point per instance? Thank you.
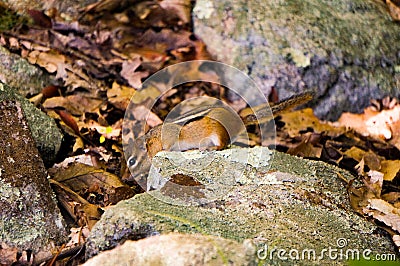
(390, 169)
(302, 119)
(78, 144)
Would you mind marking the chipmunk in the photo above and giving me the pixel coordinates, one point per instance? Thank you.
(205, 128)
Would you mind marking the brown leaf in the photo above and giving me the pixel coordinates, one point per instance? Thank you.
(48, 60)
(395, 129)
(120, 96)
(331, 153)
(81, 177)
(371, 122)
(143, 114)
(40, 19)
(374, 183)
(76, 104)
(301, 120)
(391, 197)
(384, 212)
(8, 255)
(394, 9)
(78, 236)
(88, 214)
(391, 169)
(128, 72)
(68, 120)
(75, 205)
(359, 197)
(78, 145)
(360, 167)
(50, 91)
(182, 8)
(305, 148)
(370, 159)
(109, 132)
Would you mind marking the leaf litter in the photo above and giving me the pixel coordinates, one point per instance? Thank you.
(100, 60)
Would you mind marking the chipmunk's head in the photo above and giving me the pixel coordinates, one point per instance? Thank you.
(138, 162)
(141, 150)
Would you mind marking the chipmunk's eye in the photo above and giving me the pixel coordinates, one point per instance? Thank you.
(132, 161)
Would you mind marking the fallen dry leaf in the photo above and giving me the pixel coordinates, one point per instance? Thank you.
(384, 212)
(391, 197)
(78, 236)
(77, 104)
(370, 159)
(305, 148)
(80, 177)
(50, 61)
(360, 197)
(75, 205)
(109, 132)
(120, 96)
(179, 7)
(68, 120)
(128, 72)
(372, 123)
(394, 9)
(396, 240)
(303, 119)
(391, 169)
(395, 128)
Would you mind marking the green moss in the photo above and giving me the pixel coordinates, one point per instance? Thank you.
(9, 19)
(43, 128)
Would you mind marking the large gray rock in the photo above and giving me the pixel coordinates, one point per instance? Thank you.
(19, 73)
(347, 49)
(281, 202)
(177, 250)
(44, 130)
(29, 216)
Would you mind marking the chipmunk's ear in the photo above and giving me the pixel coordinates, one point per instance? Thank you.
(273, 96)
